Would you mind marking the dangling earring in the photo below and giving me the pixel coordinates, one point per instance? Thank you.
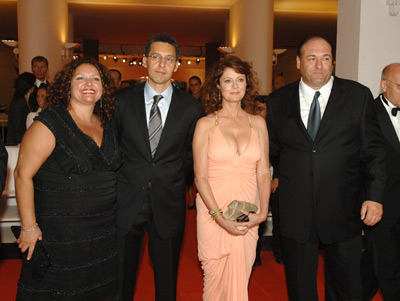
(219, 95)
(101, 103)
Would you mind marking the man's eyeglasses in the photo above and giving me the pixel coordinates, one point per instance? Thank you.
(169, 59)
(398, 85)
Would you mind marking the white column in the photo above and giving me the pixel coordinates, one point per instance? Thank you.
(367, 41)
(42, 30)
(251, 37)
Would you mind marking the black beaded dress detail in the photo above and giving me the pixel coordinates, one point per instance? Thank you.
(75, 195)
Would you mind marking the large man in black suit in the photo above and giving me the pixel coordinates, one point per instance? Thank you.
(151, 189)
(383, 239)
(324, 164)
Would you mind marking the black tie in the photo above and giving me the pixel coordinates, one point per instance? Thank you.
(155, 124)
(394, 111)
(314, 117)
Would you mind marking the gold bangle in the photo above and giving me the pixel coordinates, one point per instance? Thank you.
(216, 213)
(212, 212)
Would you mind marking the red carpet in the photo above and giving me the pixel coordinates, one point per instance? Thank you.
(267, 282)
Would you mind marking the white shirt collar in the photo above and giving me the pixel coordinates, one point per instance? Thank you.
(308, 92)
(149, 93)
(39, 82)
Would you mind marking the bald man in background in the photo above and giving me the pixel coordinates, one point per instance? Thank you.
(383, 240)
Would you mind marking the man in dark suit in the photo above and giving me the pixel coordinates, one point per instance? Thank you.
(39, 65)
(323, 165)
(383, 239)
(151, 189)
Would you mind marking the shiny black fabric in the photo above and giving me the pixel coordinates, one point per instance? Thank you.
(75, 193)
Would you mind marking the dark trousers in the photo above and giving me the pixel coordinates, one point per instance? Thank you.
(342, 269)
(383, 247)
(164, 254)
(276, 232)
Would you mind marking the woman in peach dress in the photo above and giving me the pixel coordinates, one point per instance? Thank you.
(230, 149)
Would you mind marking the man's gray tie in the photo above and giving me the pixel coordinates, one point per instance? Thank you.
(155, 125)
(314, 117)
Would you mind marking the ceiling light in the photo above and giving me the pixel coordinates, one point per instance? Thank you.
(124, 60)
(189, 62)
(197, 61)
(115, 58)
(105, 57)
(11, 43)
(224, 49)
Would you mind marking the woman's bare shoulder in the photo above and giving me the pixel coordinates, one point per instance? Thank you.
(206, 122)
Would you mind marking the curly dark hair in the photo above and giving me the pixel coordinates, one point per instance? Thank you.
(60, 89)
(211, 94)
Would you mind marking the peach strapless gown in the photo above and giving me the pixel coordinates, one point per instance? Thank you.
(227, 260)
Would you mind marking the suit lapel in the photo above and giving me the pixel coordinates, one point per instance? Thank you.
(332, 104)
(386, 125)
(140, 114)
(295, 97)
(170, 122)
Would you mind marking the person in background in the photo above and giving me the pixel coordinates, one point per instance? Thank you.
(278, 82)
(3, 170)
(195, 91)
(125, 84)
(41, 100)
(230, 149)
(195, 87)
(116, 77)
(383, 240)
(157, 156)
(326, 142)
(40, 66)
(261, 110)
(19, 107)
(65, 182)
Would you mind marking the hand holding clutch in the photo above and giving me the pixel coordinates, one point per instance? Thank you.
(234, 212)
(40, 260)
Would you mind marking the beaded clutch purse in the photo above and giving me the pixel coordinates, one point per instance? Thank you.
(234, 212)
(40, 260)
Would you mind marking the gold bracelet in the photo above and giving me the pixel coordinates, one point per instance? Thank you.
(30, 229)
(216, 214)
(214, 211)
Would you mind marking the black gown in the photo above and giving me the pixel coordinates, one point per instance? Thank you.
(75, 199)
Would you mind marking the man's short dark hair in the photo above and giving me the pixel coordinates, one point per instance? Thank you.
(119, 73)
(164, 38)
(300, 47)
(40, 59)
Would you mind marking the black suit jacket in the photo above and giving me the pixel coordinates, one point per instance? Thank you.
(323, 179)
(164, 174)
(391, 209)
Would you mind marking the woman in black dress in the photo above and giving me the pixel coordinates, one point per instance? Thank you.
(66, 188)
(19, 107)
